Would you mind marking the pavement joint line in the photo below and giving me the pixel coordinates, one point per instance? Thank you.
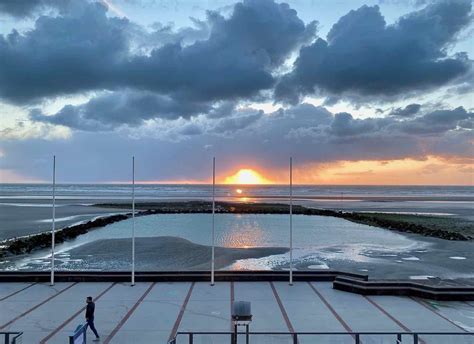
(384, 311)
(232, 299)
(18, 291)
(60, 327)
(380, 308)
(333, 311)
(435, 311)
(129, 313)
(282, 308)
(181, 312)
(37, 306)
(468, 303)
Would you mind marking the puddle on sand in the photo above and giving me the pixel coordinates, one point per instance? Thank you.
(421, 277)
(318, 266)
(411, 258)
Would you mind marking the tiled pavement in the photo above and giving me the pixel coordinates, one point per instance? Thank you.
(154, 312)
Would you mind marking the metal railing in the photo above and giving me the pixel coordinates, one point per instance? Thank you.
(413, 337)
(79, 335)
(12, 337)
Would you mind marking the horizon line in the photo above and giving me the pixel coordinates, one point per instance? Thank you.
(223, 184)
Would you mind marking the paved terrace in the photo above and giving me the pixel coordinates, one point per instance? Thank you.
(152, 312)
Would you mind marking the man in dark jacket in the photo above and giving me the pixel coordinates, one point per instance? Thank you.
(90, 308)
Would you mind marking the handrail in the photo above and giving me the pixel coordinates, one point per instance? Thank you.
(11, 335)
(79, 333)
(294, 335)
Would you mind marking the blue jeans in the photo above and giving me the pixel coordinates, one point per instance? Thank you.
(90, 323)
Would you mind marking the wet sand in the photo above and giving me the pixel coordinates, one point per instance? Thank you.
(26, 217)
(158, 253)
(440, 260)
(319, 243)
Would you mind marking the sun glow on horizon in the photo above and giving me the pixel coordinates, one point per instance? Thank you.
(246, 176)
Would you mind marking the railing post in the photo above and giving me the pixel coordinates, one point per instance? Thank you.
(415, 338)
(357, 338)
(191, 338)
(399, 338)
(7, 338)
(295, 338)
(235, 337)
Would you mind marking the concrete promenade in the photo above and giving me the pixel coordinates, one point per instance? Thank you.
(153, 312)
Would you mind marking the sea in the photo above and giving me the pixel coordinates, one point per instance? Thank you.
(158, 191)
(319, 242)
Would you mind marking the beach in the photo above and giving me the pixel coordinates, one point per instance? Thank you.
(27, 217)
(398, 235)
(31, 215)
(160, 253)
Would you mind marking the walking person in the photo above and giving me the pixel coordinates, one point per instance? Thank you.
(90, 308)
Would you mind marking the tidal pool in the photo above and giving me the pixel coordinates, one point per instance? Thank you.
(316, 239)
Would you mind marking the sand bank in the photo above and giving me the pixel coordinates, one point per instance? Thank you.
(161, 253)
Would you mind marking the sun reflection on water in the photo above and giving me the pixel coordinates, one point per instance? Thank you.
(244, 235)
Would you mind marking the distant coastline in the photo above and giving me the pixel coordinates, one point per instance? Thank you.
(430, 226)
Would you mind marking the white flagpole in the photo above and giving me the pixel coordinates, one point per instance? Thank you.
(291, 221)
(213, 215)
(133, 221)
(53, 229)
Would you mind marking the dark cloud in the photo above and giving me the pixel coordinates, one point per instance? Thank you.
(24, 8)
(235, 123)
(363, 56)
(345, 125)
(345, 128)
(407, 111)
(223, 109)
(438, 122)
(181, 90)
(112, 110)
(163, 34)
(77, 52)
(190, 129)
(310, 134)
(439, 132)
(236, 60)
(86, 50)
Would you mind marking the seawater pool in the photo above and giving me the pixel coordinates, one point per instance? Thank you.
(252, 230)
(317, 240)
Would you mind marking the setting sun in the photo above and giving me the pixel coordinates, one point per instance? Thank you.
(246, 176)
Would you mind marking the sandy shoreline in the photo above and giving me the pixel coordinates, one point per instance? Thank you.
(26, 216)
(159, 253)
(448, 228)
(320, 242)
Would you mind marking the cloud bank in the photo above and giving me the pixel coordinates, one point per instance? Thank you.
(364, 56)
(186, 93)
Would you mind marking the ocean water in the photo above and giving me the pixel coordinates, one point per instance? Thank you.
(156, 191)
(319, 242)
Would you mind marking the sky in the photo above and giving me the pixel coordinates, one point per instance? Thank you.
(356, 92)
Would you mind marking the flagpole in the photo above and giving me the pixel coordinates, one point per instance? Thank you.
(53, 229)
(291, 221)
(133, 221)
(213, 215)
